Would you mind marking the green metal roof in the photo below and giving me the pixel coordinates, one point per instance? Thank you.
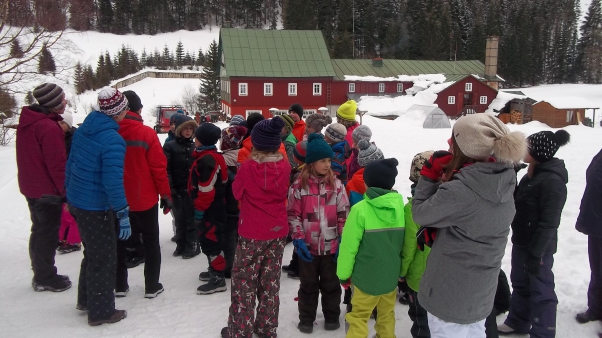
(274, 53)
(453, 70)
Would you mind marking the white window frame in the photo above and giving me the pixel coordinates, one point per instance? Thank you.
(268, 89)
(317, 86)
(468, 87)
(247, 112)
(307, 112)
(400, 87)
(381, 87)
(280, 112)
(569, 115)
(292, 89)
(483, 100)
(243, 89)
(352, 87)
(451, 99)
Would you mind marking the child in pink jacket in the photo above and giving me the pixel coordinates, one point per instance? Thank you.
(317, 210)
(261, 185)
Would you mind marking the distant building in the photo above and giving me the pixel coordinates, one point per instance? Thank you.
(561, 112)
(466, 96)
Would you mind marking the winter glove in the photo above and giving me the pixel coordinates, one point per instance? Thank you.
(166, 204)
(125, 231)
(198, 215)
(534, 264)
(425, 236)
(302, 250)
(345, 283)
(336, 254)
(434, 167)
(402, 285)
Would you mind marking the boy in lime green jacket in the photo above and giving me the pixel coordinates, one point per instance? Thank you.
(373, 238)
(413, 261)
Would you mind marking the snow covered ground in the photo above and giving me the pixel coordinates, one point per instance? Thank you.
(180, 312)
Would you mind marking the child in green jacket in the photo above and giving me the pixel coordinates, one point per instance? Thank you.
(373, 241)
(413, 261)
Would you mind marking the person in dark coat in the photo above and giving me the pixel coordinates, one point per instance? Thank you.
(41, 160)
(589, 222)
(179, 160)
(539, 200)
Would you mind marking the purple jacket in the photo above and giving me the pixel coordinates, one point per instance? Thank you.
(41, 155)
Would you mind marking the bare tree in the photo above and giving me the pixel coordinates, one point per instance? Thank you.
(191, 99)
(14, 69)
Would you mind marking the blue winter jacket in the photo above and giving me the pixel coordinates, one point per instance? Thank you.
(339, 162)
(94, 175)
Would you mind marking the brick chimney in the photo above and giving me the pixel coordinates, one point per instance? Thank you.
(491, 56)
(377, 62)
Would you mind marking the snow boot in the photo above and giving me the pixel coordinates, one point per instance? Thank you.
(216, 284)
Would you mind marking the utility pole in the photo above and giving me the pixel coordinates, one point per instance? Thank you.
(353, 27)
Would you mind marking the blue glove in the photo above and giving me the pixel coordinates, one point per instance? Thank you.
(125, 231)
(198, 215)
(336, 254)
(302, 250)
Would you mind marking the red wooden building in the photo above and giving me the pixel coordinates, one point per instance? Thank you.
(466, 96)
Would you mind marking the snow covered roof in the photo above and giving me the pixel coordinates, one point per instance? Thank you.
(570, 102)
(399, 78)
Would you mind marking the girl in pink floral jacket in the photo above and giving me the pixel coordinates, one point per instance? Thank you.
(317, 209)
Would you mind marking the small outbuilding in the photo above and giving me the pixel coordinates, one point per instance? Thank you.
(562, 111)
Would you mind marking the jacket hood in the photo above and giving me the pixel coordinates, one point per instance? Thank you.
(338, 147)
(493, 181)
(268, 173)
(96, 122)
(389, 205)
(554, 166)
(231, 156)
(33, 113)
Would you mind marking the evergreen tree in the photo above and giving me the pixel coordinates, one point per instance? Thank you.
(110, 68)
(78, 77)
(210, 82)
(143, 58)
(19, 12)
(589, 57)
(167, 58)
(15, 49)
(179, 61)
(46, 64)
(200, 60)
(90, 81)
(81, 14)
(105, 15)
(29, 98)
(122, 16)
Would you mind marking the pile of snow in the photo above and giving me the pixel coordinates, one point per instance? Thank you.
(429, 78)
(501, 100)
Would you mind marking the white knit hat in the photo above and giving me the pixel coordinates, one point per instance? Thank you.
(111, 101)
(67, 118)
(482, 135)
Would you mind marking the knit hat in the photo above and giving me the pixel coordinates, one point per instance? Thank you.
(362, 132)
(236, 120)
(111, 101)
(173, 118)
(49, 95)
(318, 121)
(183, 121)
(252, 120)
(368, 153)
(381, 173)
(67, 118)
(207, 134)
(300, 151)
(317, 148)
(265, 136)
(297, 109)
(544, 145)
(482, 135)
(336, 132)
(288, 122)
(417, 164)
(347, 110)
(232, 137)
(133, 100)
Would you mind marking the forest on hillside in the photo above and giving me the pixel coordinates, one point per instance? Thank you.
(540, 41)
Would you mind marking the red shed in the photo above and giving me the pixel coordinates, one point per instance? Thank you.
(468, 95)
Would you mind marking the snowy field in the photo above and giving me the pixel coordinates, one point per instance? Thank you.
(180, 312)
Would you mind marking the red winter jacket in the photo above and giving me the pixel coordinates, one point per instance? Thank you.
(145, 169)
(41, 155)
(262, 189)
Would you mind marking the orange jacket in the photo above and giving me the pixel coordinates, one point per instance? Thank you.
(299, 130)
(245, 151)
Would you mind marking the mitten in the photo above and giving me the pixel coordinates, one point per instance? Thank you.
(346, 283)
(402, 285)
(302, 250)
(534, 264)
(166, 204)
(425, 236)
(125, 230)
(434, 167)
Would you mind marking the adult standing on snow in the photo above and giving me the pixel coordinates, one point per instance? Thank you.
(96, 198)
(539, 199)
(589, 222)
(296, 113)
(467, 198)
(145, 179)
(41, 159)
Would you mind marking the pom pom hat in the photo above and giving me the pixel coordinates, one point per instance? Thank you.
(544, 145)
(317, 148)
(265, 135)
(480, 136)
(368, 153)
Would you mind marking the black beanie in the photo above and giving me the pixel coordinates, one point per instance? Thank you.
(208, 134)
(381, 173)
(266, 135)
(297, 109)
(134, 102)
(252, 120)
(544, 145)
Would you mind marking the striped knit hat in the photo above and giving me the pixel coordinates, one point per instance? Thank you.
(111, 101)
(368, 152)
(288, 122)
(49, 95)
(300, 151)
(236, 120)
(336, 132)
(265, 135)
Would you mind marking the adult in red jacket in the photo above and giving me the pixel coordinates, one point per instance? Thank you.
(144, 179)
(41, 161)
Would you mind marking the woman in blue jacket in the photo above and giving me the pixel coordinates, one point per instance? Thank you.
(96, 198)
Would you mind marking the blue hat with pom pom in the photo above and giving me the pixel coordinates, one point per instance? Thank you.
(265, 135)
(317, 148)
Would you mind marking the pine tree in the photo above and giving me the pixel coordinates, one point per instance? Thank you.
(46, 64)
(105, 15)
(29, 98)
(122, 17)
(81, 14)
(167, 58)
(200, 60)
(179, 61)
(589, 59)
(210, 82)
(78, 77)
(90, 81)
(15, 49)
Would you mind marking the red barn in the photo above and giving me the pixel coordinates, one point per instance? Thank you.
(466, 96)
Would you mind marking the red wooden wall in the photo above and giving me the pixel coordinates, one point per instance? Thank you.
(458, 90)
